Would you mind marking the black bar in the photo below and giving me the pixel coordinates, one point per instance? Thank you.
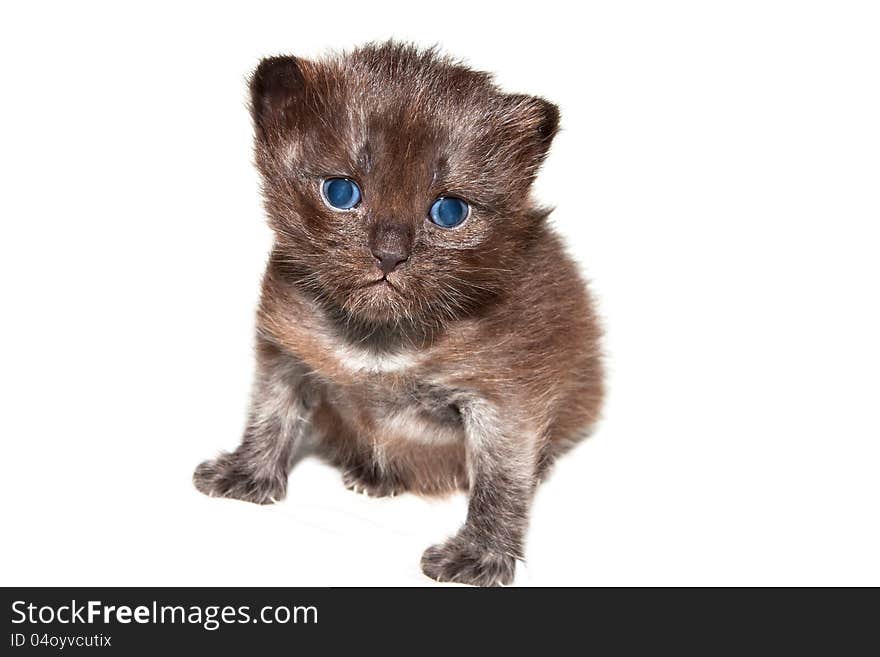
(131, 621)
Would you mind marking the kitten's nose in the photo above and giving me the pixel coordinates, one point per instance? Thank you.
(390, 242)
(389, 260)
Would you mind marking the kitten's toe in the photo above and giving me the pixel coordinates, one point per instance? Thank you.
(459, 560)
(227, 476)
(370, 484)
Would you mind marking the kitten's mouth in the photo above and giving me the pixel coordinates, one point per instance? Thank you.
(382, 282)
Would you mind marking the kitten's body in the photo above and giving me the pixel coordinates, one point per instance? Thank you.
(471, 366)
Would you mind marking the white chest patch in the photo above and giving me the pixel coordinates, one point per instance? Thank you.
(362, 360)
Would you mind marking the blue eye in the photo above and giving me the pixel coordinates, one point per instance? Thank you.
(341, 193)
(449, 212)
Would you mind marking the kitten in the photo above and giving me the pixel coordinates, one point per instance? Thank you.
(420, 322)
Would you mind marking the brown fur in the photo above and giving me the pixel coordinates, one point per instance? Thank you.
(484, 341)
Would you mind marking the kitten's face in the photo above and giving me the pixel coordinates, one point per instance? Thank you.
(405, 129)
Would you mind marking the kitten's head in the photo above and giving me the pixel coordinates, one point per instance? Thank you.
(397, 181)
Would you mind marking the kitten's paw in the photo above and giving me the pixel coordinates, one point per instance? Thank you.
(227, 476)
(459, 560)
(371, 484)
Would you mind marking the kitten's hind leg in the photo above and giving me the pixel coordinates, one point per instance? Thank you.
(258, 468)
(364, 468)
(367, 478)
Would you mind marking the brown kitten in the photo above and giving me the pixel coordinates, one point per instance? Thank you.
(417, 357)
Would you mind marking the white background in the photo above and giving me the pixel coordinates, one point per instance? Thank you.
(718, 176)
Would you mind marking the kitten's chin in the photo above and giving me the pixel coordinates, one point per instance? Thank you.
(383, 295)
(379, 301)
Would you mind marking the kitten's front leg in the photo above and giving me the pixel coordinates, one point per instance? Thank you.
(501, 462)
(258, 468)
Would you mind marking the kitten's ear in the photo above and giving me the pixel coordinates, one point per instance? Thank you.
(538, 121)
(276, 87)
(548, 123)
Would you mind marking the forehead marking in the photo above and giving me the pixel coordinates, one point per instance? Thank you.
(365, 158)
